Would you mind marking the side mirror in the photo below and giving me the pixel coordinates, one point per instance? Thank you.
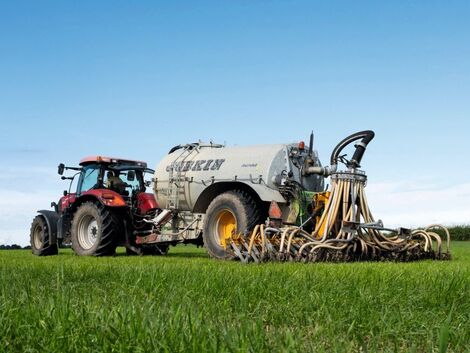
(61, 168)
(130, 175)
(65, 193)
(55, 206)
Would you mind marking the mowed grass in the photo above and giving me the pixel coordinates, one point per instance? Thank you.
(186, 302)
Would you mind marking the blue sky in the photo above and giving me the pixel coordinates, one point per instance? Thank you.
(133, 78)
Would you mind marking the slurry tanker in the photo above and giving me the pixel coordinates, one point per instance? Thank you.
(251, 203)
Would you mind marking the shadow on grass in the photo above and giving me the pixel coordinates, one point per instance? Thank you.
(202, 255)
(179, 251)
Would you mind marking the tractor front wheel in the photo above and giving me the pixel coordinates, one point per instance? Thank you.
(95, 230)
(41, 242)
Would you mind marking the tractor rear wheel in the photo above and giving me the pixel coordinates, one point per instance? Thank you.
(41, 242)
(95, 230)
(229, 214)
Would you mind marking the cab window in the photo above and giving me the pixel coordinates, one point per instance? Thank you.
(89, 178)
(129, 180)
(132, 179)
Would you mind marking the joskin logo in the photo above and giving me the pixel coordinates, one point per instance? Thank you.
(196, 166)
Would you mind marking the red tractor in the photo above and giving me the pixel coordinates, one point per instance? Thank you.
(107, 208)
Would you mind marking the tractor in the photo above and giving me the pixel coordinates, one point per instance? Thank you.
(103, 212)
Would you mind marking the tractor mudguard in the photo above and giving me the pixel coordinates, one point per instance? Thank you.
(52, 218)
(146, 202)
(106, 197)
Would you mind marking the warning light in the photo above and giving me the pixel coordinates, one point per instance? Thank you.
(274, 211)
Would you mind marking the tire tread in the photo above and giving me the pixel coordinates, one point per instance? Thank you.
(110, 230)
(252, 213)
(49, 246)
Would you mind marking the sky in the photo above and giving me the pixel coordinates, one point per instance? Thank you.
(134, 78)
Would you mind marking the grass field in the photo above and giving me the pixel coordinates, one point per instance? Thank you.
(186, 302)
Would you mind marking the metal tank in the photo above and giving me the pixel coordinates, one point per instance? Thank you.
(190, 176)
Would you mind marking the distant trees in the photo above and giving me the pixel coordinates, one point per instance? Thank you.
(14, 247)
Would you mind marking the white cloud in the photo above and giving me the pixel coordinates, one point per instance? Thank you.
(24, 190)
(17, 210)
(416, 203)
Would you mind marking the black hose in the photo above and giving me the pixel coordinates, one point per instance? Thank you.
(355, 162)
(177, 147)
(189, 146)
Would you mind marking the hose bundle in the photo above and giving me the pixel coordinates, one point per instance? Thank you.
(346, 230)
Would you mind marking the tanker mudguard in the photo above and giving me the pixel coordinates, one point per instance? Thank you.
(52, 219)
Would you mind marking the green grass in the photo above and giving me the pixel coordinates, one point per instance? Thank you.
(186, 302)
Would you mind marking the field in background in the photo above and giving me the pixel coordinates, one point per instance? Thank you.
(461, 232)
(186, 302)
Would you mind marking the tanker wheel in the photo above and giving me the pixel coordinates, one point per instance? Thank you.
(229, 214)
(41, 243)
(95, 230)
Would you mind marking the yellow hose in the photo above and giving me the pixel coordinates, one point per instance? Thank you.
(347, 203)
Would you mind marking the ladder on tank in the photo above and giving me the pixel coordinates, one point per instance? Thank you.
(176, 180)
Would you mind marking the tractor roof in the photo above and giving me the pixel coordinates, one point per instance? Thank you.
(111, 160)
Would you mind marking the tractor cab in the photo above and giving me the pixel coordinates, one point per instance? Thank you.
(121, 176)
(125, 177)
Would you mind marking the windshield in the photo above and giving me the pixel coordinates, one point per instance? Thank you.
(88, 178)
(124, 181)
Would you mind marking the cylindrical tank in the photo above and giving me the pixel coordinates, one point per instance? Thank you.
(187, 171)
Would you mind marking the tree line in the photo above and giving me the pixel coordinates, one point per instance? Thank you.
(14, 247)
